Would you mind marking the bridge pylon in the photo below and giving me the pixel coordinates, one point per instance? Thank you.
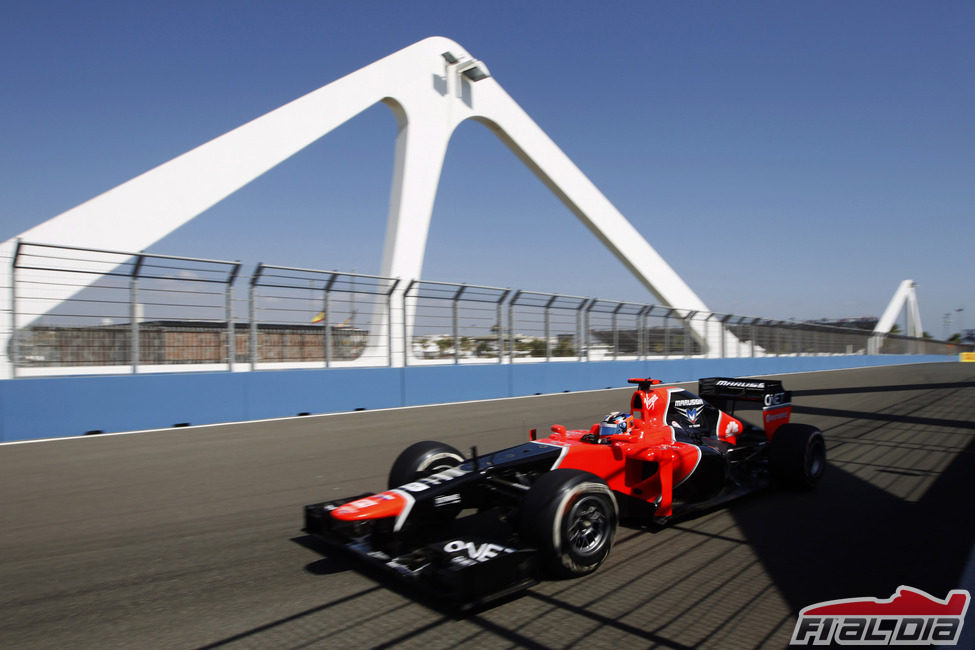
(904, 298)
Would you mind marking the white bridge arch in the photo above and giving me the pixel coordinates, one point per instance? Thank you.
(431, 86)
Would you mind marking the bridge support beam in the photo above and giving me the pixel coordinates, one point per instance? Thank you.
(431, 86)
(904, 298)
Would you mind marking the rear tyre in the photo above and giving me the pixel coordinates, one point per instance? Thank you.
(797, 456)
(422, 459)
(571, 517)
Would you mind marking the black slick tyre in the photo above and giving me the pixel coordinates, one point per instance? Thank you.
(422, 459)
(797, 456)
(570, 516)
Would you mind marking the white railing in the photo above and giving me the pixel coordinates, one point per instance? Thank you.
(158, 313)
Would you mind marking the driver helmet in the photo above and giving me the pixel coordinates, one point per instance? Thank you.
(615, 423)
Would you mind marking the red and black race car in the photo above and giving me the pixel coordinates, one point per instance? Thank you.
(474, 529)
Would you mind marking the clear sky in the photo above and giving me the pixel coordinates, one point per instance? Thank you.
(788, 159)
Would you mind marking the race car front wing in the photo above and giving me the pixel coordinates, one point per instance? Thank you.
(471, 562)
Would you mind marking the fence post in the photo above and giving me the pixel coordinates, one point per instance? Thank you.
(585, 343)
(511, 331)
(639, 333)
(511, 324)
(616, 331)
(666, 349)
(455, 322)
(326, 313)
(133, 313)
(252, 313)
(548, 328)
(576, 340)
(326, 294)
(706, 340)
(14, 339)
(645, 331)
(231, 326)
(389, 327)
(231, 334)
(407, 343)
(720, 322)
(500, 325)
(581, 329)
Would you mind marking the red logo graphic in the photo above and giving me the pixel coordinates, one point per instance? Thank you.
(909, 617)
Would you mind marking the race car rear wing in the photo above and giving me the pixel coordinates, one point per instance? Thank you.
(740, 389)
(724, 392)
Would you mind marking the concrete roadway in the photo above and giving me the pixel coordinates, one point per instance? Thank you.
(189, 538)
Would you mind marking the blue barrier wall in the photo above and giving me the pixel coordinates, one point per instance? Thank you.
(48, 407)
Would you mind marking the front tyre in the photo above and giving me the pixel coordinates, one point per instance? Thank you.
(797, 456)
(422, 459)
(571, 517)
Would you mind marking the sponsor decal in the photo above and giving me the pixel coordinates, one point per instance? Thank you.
(469, 553)
(446, 500)
(689, 402)
(691, 415)
(775, 399)
(648, 402)
(731, 429)
(368, 502)
(909, 617)
(775, 416)
(434, 479)
(740, 384)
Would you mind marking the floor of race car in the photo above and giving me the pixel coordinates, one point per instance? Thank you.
(186, 538)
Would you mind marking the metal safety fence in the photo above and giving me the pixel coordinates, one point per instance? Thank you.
(122, 309)
(77, 310)
(546, 325)
(300, 315)
(452, 321)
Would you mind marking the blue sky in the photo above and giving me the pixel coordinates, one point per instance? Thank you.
(787, 159)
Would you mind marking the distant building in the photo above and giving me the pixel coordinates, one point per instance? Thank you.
(179, 342)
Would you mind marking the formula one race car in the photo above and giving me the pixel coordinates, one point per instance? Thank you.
(479, 528)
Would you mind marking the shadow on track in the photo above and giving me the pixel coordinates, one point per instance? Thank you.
(334, 562)
(851, 538)
(862, 415)
(655, 640)
(849, 390)
(267, 627)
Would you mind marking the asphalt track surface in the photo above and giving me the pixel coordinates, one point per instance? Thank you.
(189, 538)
